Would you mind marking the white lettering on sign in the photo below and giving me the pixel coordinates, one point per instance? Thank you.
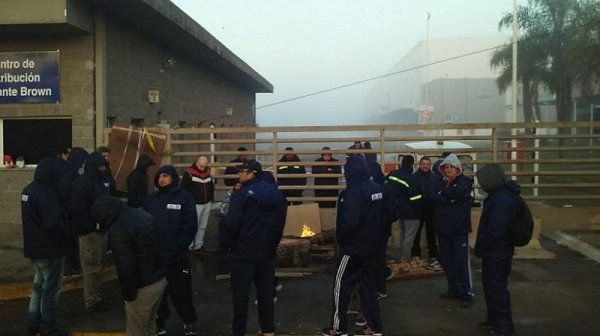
(8, 64)
(35, 92)
(29, 77)
(8, 92)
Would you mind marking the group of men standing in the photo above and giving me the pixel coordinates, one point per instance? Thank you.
(151, 248)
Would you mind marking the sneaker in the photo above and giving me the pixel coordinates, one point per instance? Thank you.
(332, 332)
(381, 296)
(360, 321)
(389, 273)
(279, 287)
(435, 266)
(190, 329)
(274, 301)
(367, 331)
(161, 331)
(100, 306)
(351, 311)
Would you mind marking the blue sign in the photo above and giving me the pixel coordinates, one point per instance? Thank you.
(29, 77)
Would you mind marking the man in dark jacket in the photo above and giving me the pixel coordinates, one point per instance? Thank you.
(494, 248)
(174, 216)
(359, 232)
(405, 199)
(46, 240)
(331, 168)
(108, 175)
(137, 182)
(198, 182)
(425, 181)
(251, 232)
(452, 198)
(92, 248)
(74, 162)
(232, 170)
(374, 166)
(290, 168)
(135, 248)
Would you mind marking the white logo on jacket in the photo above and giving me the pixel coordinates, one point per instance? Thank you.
(174, 206)
(24, 198)
(375, 197)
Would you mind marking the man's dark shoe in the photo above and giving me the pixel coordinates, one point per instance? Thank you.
(449, 296)
(332, 332)
(57, 332)
(485, 325)
(100, 306)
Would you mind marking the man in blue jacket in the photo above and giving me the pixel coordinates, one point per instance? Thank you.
(494, 248)
(92, 247)
(46, 241)
(174, 216)
(359, 233)
(251, 232)
(452, 197)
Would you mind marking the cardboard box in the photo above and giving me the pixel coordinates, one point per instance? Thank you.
(298, 216)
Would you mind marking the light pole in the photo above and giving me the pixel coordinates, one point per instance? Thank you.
(427, 16)
(515, 88)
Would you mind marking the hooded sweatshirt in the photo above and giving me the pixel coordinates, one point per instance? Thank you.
(174, 216)
(45, 223)
(137, 182)
(75, 161)
(254, 224)
(86, 189)
(134, 243)
(361, 209)
(452, 198)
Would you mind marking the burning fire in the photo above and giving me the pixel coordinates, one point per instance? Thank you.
(306, 231)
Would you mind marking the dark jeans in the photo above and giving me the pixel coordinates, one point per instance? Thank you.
(454, 256)
(430, 236)
(45, 293)
(262, 273)
(497, 297)
(353, 271)
(179, 288)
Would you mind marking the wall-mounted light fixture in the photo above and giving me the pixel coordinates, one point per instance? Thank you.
(167, 63)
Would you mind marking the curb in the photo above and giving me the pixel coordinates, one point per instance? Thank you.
(21, 290)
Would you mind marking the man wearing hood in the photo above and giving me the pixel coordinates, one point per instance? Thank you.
(406, 202)
(92, 248)
(137, 182)
(46, 240)
(500, 209)
(374, 166)
(174, 216)
(326, 181)
(74, 163)
(135, 248)
(452, 197)
(359, 235)
(290, 168)
(198, 182)
(251, 232)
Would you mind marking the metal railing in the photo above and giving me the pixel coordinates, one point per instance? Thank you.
(557, 163)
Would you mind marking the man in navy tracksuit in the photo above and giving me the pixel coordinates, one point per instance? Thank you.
(251, 232)
(493, 246)
(174, 216)
(452, 198)
(359, 233)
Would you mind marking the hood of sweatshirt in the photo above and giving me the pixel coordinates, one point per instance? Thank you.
(356, 170)
(106, 210)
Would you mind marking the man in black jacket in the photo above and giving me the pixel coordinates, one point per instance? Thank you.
(360, 229)
(92, 248)
(137, 182)
(500, 210)
(326, 181)
(251, 232)
(136, 253)
(46, 240)
(232, 170)
(289, 167)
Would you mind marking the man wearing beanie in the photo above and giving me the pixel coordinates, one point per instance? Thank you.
(452, 197)
(289, 166)
(326, 157)
(251, 232)
(500, 209)
(174, 216)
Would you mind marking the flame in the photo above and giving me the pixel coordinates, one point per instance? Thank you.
(306, 231)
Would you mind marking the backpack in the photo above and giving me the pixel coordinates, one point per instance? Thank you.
(521, 229)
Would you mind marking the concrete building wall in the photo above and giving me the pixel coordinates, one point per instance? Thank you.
(188, 93)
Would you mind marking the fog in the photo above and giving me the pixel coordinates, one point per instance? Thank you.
(304, 47)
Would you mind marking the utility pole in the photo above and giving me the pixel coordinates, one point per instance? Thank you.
(515, 87)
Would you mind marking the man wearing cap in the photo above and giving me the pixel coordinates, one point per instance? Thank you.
(87, 188)
(500, 208)
(289, 166)
(326, 181)
(452, 197)
(174, 216)
(251, 232)
(232, 170)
